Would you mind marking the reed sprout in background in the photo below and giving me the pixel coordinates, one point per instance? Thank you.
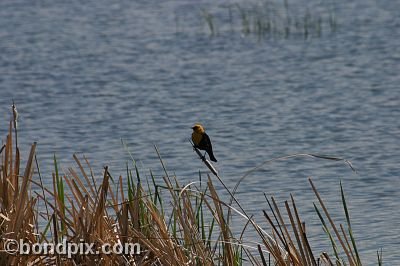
(269, 18)
(174, 223)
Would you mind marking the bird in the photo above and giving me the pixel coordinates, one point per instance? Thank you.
(202, 141)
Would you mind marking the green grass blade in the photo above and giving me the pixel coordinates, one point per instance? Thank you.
(326, 229)
(346, 211)
(46, 229)
(60, 192)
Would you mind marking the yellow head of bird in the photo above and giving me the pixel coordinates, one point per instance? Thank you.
(198, 128)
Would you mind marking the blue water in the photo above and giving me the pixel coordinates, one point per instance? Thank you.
(86, 74)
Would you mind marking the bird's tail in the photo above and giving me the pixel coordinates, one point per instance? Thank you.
(212, 158)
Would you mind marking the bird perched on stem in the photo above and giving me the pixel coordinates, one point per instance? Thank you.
(202, 141)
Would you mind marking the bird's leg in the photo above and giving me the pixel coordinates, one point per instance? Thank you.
(204, 156)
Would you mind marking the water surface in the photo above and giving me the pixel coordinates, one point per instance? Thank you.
(86, 74)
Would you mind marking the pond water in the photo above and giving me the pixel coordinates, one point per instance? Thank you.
(86, 74)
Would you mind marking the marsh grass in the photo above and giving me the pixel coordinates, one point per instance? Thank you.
(174, 223)
(271, 19)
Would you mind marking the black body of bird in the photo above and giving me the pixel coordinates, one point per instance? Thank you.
(202, 141)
